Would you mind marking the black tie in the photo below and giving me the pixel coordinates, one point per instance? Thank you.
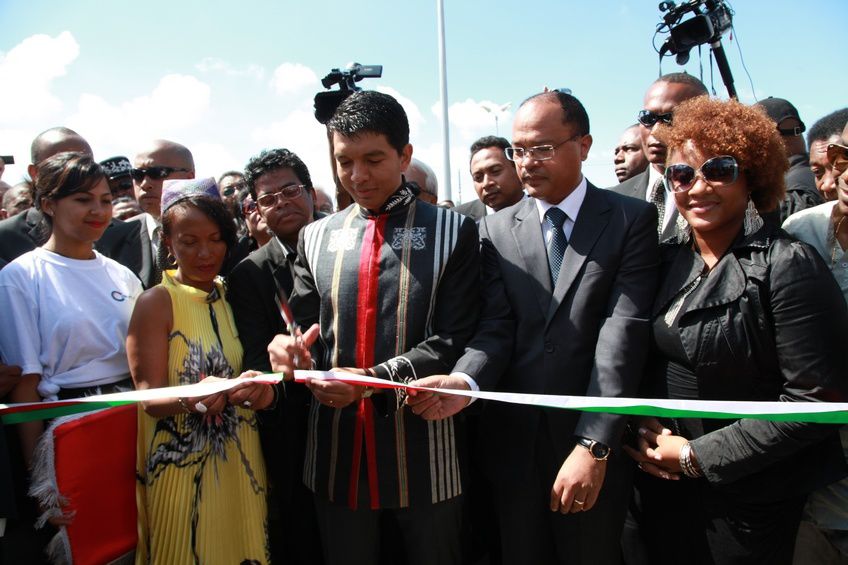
(557, 244)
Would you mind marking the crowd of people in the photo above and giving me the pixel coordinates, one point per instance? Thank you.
(716, 270)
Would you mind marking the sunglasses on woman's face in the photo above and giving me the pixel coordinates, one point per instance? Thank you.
(837, 156)
(718, 171)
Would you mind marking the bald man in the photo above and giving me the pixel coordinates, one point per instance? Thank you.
(421, 174)
(23, 232)
(629, 158)
(161, 160)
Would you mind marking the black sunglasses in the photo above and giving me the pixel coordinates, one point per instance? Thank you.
(648, 118)
(718, 171)
(155, 173)
(123, 185)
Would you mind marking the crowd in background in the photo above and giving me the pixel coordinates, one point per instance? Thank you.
(716, 270)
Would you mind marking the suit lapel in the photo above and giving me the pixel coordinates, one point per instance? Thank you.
(279, 267)
(527, 232)
(34, 231)
(591, 221)
(146, 272)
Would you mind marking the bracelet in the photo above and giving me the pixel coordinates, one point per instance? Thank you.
(184, 404)
(687, 465)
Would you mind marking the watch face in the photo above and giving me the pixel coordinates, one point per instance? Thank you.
(600, 451)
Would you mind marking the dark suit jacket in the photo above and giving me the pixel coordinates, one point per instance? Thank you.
(587, 336)
(22, 233)
(143, 250)
(475, 209)
(251, 288)
(637, 187)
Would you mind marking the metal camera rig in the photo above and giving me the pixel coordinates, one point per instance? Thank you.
(711, 19)
(327, 102)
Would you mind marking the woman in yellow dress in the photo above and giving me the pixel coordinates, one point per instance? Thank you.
(201, 477)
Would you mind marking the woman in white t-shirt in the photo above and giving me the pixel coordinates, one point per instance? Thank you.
(66, 307)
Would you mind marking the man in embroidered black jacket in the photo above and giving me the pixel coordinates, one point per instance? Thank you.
(392, 284)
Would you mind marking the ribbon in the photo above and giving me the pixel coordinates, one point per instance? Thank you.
(818, 412)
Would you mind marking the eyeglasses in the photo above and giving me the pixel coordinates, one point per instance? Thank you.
(649, 119)
(837, 156)
(155, 173)
(289, 191)
(718, 171)
(538, 153)
(123, 185)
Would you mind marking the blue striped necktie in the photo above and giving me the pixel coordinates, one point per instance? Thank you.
(555, 218)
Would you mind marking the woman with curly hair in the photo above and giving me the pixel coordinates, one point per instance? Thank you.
(744, 312)
(202, 487)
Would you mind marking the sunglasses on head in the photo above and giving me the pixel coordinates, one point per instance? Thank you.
(155, 173)
(648, 118)
(718, 171)
(837, 156)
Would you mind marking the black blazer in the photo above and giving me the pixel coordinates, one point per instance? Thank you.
(23, 233)
(768, 323)
(637, 187)
(587, 335)
(251, 288)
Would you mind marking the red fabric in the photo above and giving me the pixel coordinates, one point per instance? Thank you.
(367, 306)
(95, 470)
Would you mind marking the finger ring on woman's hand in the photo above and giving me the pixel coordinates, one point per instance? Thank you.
(579, 502)
(247, 404)
(200, 407)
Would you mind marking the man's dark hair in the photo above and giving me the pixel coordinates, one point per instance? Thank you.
(369, 111)
(272, 160)
(36, 150)
(230, 174)
(685, 78)
(488, 141)
(573, 111)
(828, 126)
(212, 208)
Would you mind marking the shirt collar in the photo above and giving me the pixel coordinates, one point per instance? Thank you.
(570, 204)
(653, 176)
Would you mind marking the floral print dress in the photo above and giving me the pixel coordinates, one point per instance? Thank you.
(201, 480)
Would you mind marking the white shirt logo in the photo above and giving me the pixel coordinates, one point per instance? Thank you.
(342, 239)
(415, 237)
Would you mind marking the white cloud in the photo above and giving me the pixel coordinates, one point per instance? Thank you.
(177, 103)
(301, 133)
(217, 65)
(290, 78)
(212, 159)
(413, 114)
(470, 119)
(26, 74)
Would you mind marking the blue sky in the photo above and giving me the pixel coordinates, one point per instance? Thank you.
(229, 78)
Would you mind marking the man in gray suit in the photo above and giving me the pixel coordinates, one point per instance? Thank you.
(568, 279)
(662, 97)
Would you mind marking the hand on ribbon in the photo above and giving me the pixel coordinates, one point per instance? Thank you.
(288, 353)
(337, 394)
(434, 405)
(251, 394)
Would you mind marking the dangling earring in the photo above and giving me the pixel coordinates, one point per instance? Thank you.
(684, 230)
(753, 221)
(170, 258)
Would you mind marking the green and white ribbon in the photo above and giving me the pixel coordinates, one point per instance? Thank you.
(819, 412)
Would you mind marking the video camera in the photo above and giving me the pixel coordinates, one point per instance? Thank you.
(712, 18)
(327, 102)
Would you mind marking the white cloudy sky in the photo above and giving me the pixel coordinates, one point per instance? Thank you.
(228, 80)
